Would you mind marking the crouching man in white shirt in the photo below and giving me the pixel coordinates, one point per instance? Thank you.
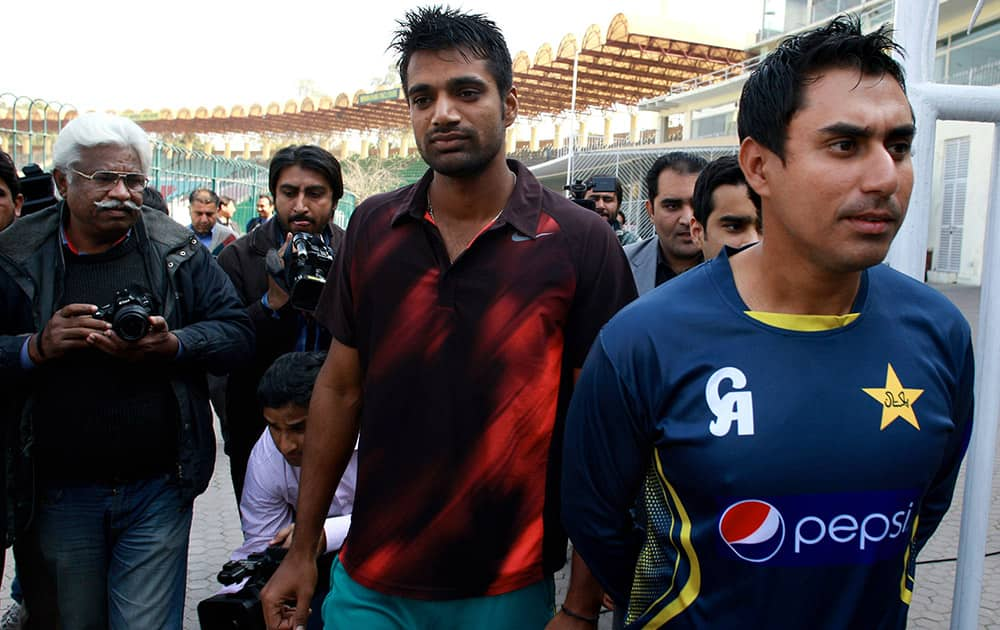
(271, 488)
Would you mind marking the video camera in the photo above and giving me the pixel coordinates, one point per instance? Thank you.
(578, 193)
(241, 610)
(307, 261)
(38, 189)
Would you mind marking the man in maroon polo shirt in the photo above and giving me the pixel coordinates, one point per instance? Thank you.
(462, 308)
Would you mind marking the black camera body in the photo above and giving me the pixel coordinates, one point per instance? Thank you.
(578, 193)
(259, 567)
(128, 314)
(308, 260)
(242, 609)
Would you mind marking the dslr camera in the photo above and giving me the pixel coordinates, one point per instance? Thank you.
(128, 314)
(243, 609)
(307, 261)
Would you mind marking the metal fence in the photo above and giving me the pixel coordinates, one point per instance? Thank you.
(28, 129)
(629, 166)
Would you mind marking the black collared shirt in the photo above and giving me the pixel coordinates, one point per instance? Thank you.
(664, 271)
(467, 370)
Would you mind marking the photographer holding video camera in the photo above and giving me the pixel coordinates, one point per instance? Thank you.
(267, 508)
(606, 194)
(110, 315)
(279, 269)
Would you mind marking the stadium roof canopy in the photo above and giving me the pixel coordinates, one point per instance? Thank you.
(619, 69)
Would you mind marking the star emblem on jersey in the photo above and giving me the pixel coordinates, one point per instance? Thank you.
(896, 400)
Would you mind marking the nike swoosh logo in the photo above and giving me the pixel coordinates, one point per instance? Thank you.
(517, 237)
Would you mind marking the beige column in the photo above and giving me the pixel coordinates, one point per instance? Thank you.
(404, 144)
(246, 150)
(266, 149)
(227, 150)
(26, 155)
(511, 140)
(342, 150)
(365, 145)
(609, 136)
(581, 135)
(533, 143)
(383, 146)
(557, 136)
(633, 128)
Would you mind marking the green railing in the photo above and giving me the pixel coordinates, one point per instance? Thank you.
(28, 129)
(176, 171)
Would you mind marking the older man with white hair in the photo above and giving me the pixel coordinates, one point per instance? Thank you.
(110, 315)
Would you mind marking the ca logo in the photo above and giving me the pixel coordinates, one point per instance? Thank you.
(735, 406)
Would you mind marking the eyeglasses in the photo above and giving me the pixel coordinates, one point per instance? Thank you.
(106, 180)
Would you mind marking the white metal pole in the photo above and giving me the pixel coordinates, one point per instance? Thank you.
(982, 448)
(916, 29)
(572, 122)
(915, 23)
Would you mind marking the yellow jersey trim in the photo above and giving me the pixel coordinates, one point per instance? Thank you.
(803, 323)
(906, 593)
(689, 592)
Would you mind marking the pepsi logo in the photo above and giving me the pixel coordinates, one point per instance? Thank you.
(754, 530)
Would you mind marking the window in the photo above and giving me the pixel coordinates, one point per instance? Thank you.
(714, 121)
(970, 59)
(956, 172)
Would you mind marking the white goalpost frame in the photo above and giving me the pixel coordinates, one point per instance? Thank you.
(916, 23)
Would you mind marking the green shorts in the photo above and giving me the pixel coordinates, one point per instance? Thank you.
(350, 605)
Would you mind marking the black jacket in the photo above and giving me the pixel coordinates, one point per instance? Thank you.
(244, 261)
(199, 304)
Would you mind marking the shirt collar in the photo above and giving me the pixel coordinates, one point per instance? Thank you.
(662, 260)
(521, 210)
(76, 252)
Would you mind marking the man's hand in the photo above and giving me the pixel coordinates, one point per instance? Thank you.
(562, 621)
(286, 596)
(276, 296)
(583, 598)
(285, 534)
(158, 342)
(69, 329)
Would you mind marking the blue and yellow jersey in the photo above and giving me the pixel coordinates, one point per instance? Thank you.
(725, 468)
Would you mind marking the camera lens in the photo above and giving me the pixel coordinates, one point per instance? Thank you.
(131, 323)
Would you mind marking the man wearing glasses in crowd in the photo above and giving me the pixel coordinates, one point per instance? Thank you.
(108, 426)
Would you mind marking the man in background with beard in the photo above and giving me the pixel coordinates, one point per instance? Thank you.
(306, 183)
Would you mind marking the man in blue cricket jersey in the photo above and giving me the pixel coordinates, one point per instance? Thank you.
(792, 438)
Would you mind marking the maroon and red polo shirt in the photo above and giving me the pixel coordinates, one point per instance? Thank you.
(467, 372)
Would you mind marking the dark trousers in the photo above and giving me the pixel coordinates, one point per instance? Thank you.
(242, 437)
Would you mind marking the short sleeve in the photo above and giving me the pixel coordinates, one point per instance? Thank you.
(335, 310)
(604, 286)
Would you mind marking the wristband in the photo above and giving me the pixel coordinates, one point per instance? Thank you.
(38, 344)
(576, 615)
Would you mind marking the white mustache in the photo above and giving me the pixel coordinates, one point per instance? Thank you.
(113, 204)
